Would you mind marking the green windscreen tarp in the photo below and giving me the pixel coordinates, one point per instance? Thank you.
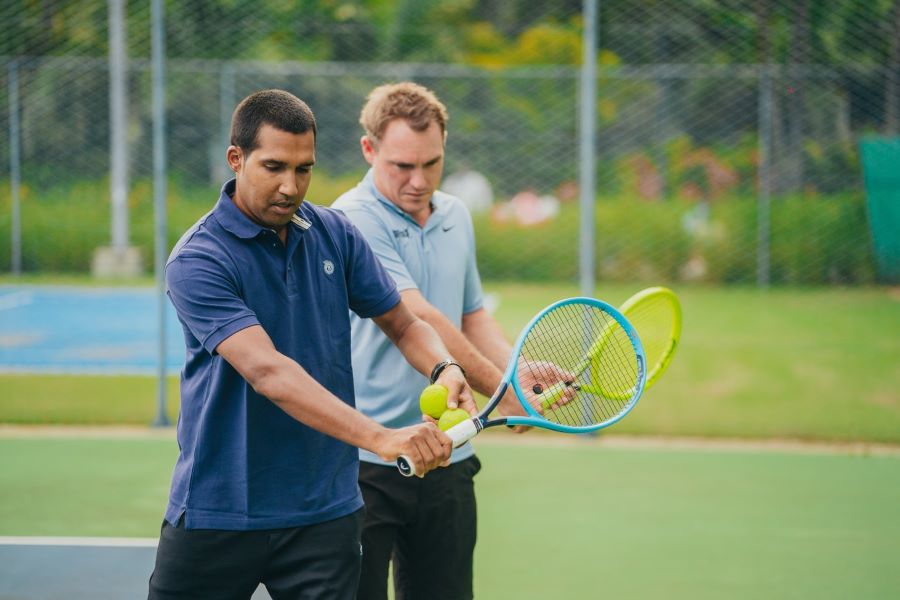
(881, 174)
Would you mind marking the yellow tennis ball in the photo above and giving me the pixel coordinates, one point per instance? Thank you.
(452, 417)
(433, 400)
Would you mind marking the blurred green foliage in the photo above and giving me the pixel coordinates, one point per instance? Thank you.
(678, 205)
(815, 239)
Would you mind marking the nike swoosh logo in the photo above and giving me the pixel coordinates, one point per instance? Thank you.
(448, 228)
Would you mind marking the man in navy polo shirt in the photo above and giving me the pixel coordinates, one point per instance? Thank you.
(265, 486)
(425, 239)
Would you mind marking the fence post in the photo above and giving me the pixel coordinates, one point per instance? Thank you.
(764, 187)
(587, 148)
(160, 243)
(226, 106)
(15, 168)
(118, 124)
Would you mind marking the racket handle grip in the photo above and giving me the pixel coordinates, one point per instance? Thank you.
(555, 392)
(405, 466)
(459, 433)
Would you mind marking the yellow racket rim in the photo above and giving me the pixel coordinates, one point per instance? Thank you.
(655, 314)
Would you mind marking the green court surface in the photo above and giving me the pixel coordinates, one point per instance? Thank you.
(559, 516)
(574, 517)
(811, 364)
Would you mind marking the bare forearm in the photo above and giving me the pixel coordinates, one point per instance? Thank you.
(285, 383)
(422, 347)
(299, 395)
(483, 331)
(481, 372)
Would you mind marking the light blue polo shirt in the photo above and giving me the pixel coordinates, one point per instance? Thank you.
(439, 261)
(244, 463)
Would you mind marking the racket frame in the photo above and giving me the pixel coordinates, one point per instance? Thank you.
(655, 370)
(534, 418)
(466, 430)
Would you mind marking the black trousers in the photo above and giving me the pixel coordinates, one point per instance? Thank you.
(427, 526)
(311, 561)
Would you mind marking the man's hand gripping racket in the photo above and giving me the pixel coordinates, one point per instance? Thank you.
(577, 367)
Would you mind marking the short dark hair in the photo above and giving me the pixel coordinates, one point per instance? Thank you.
(278, 108)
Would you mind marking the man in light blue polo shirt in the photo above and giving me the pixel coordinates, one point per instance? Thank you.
(425, 240)
(265, 486)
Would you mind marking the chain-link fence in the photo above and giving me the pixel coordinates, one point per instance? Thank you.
(727, 133)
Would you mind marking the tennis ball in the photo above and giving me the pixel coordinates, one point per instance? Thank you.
(433, 400)
(452, 417)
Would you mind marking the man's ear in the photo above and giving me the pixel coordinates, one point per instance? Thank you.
(368, 149)
(234, 156)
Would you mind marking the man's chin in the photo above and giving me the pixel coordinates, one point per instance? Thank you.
(282, 212)
(415, 204)
(277, 222)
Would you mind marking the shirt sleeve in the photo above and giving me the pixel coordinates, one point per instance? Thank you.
(371, 290)
(207, 299)
(381, 241)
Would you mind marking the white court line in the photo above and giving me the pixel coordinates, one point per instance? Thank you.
(78, 541)
(15, 300)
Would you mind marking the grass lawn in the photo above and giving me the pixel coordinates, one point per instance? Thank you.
(811, 364)
(573, 520)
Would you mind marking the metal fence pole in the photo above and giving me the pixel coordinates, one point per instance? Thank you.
(160, 241)
(587, 148)
(15, 168)
(226, 106)
(764, 188)
(118, 124)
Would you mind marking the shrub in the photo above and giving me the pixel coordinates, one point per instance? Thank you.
(813, 239)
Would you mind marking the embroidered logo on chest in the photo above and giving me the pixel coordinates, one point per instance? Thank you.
(328, 267)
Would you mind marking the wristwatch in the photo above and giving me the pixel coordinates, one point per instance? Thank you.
(438, 368)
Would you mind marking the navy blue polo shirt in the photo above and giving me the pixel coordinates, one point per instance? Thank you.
(244, 463)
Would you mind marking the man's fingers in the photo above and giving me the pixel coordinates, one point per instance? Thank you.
(433, 448)
(467, 401)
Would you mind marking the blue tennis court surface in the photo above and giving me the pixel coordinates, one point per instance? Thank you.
(78, 569)
(85, 330)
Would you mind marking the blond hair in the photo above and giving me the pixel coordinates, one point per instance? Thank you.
(415, 104)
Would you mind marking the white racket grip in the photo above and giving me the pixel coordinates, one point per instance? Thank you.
(462, 432)
(459, 433)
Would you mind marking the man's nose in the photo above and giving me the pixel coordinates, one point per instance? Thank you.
(288, 184)
(417, 179)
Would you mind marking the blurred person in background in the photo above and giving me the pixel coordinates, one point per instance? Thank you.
(425, 240)
(265, 485)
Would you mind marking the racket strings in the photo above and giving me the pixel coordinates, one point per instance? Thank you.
(589, 344)
(654, 324)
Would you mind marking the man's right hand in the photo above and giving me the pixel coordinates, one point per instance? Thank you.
(424, 444)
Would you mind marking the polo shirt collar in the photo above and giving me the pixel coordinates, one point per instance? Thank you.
(438, 204)
(236, 222)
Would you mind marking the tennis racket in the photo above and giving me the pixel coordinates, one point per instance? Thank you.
(562, 360)
(656, 315)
